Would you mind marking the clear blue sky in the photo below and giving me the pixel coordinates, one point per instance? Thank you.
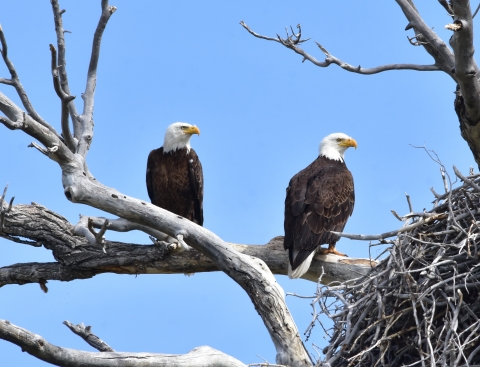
(262, 114)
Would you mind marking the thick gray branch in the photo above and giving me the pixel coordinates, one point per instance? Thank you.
(430, 41)
(466, 69)
(40, 348)
(79, 259)
(292, 43)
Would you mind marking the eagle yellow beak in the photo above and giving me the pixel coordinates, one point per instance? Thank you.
(348, 143)
(192, 130)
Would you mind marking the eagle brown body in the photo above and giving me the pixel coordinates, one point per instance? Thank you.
(175, 182)
(320, 198)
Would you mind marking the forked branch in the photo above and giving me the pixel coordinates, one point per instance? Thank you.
(294, 40)
(15, 82)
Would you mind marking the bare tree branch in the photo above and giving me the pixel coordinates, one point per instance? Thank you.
(466, 69)
(292, 43)
(38, 347)
(57, 15)
(85, 332)
(117, 225)
(434, 45)
(51, 140)
(65, 99)
(15, 82)
(368, 237)
(80, 259)
(86, 136)
(446, 6)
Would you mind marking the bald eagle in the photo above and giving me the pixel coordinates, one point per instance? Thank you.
(174, 174)
(320, 199)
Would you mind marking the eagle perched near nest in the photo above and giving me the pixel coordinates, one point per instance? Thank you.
(320, 199)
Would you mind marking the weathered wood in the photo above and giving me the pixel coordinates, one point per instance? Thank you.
(38, 347)
(78, 259)
(85, 332)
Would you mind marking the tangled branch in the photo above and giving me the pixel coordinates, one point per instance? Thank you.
(419, 306)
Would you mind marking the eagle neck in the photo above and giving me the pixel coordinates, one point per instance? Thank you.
(171, 147)
(333, 155)
(179, 152)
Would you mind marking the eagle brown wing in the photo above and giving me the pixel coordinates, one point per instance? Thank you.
(176, 184)
(195, 173)
(320, 198)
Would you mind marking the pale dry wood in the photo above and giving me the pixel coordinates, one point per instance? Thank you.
(85, 332)
(40, 348)
(294, 40)
(79, 258)
(62, 68)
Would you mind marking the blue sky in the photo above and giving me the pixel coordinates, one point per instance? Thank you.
(262, 113)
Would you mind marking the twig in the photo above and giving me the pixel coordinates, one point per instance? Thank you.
(371, 237)
(65, 99)
(466, 180)
(99, 239)
(85, 332)
(57, 15)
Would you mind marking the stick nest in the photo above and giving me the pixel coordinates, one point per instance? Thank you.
(419, 306)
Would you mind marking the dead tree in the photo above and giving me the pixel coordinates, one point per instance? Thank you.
(457, 62)
(81, 250)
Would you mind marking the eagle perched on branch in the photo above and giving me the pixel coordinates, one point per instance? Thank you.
(320, 199)
(174, 174)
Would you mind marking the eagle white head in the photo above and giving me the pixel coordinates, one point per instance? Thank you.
(334, 146)
(177, 136)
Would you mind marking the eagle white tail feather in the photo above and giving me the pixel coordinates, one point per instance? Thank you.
(302, 268)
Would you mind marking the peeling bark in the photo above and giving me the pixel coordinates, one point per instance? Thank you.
(78, 259)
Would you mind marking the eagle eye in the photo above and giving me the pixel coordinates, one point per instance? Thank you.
(183, 127)
(339, 140)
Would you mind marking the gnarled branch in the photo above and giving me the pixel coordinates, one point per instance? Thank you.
(79, 258)
(38, 347)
